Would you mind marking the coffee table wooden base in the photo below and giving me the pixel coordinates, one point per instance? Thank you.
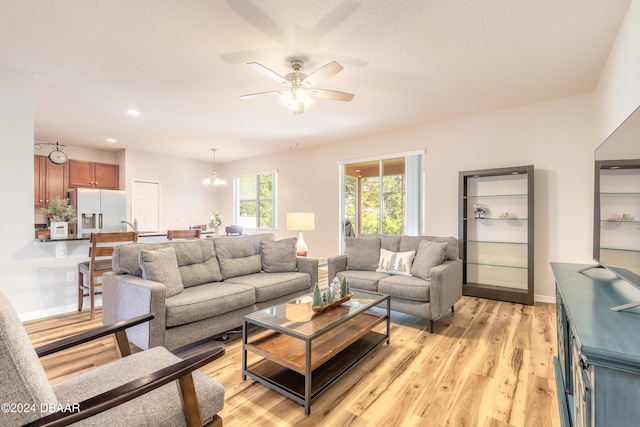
(302, 367)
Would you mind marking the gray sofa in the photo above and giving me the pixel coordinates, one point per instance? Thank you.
(426, 283)
(201, 288)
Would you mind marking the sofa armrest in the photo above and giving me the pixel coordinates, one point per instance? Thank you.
(446, 287)
(126, 296)
(335, 265)
(309, 266)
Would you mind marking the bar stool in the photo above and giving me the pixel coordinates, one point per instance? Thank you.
(99, 263)
(183, 234)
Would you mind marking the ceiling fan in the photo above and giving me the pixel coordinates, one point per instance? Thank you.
(299, 87)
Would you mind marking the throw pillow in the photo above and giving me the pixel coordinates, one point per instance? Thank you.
(363, 252)
(240, 255)
(279, 255)
(395, 262)
(430, 254)
(161, 265)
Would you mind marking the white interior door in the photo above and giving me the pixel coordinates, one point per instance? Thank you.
(146, 205)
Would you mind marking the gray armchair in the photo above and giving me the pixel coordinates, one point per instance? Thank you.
(151, 387)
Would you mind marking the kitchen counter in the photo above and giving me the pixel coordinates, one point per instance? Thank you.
(147, 236)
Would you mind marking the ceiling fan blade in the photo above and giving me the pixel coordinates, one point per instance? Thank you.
(267, 72)
(255, 95)
(331, 94)
(259, 20)
(323, 73)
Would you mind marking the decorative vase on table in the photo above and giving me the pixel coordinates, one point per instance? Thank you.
(215, 222)
(60, 214)
(59, 230)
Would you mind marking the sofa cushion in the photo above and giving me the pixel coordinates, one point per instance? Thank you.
(208, 300)
(365, 280)
(239, 256)
(395, 262)
(161, 265)
(429, 255)
(273, 285)
(390, 243)
(279, 256)
(411, 243)
(196, 259)
(363, 252)
(407, 287)
(159, 407)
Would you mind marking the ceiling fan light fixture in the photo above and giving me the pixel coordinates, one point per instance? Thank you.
(213, 178)
(300, 90)
(296, 99)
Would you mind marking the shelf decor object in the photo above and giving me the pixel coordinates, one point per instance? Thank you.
(496, 233)
(335, 294)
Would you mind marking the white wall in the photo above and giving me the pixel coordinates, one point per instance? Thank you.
(618, 91)
(556, 137)
(183, 198)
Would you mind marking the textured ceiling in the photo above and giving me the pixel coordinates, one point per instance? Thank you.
(182, 64)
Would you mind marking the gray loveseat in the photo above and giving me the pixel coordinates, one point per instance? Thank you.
(426, 283)
(201, 288)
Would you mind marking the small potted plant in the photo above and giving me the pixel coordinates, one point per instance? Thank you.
(60, 214)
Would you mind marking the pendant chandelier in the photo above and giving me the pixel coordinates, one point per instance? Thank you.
(213, 178)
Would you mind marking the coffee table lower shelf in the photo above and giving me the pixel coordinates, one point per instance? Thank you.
(292, 384)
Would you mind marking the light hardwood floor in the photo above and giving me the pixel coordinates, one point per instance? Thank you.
(490, 365)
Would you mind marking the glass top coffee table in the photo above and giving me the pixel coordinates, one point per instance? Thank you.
(302, 353)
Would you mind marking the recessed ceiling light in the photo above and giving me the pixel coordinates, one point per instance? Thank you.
(112, 140)
(133, 112)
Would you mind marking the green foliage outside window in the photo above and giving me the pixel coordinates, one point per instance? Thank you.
(256, 200)
(393, 199)
(393, 203)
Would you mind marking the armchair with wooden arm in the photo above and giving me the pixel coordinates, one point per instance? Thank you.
(136, 390)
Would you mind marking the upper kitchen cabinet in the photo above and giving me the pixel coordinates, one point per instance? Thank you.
(50, 180)
(93, 175)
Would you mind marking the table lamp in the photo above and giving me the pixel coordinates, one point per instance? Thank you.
(301, 221)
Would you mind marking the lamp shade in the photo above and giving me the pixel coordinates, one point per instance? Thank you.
(301, 221)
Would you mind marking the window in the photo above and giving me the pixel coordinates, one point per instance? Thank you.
(384, 195)
(255, 200)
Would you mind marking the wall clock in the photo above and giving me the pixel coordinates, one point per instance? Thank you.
(57, 157)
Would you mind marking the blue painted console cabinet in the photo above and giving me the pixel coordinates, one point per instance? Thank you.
(598, 363)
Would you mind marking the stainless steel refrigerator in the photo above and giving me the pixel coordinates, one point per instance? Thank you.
(98, 210)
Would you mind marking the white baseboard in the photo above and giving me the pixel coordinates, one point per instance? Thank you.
(41, 314)
(545, 298)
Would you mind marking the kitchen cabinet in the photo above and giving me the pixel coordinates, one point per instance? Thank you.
(50, 180)
(94, 175)
(496, 233)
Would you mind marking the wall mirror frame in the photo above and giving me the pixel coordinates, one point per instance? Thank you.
(616, 225)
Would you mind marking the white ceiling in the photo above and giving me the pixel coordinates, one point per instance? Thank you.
(182, 64)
